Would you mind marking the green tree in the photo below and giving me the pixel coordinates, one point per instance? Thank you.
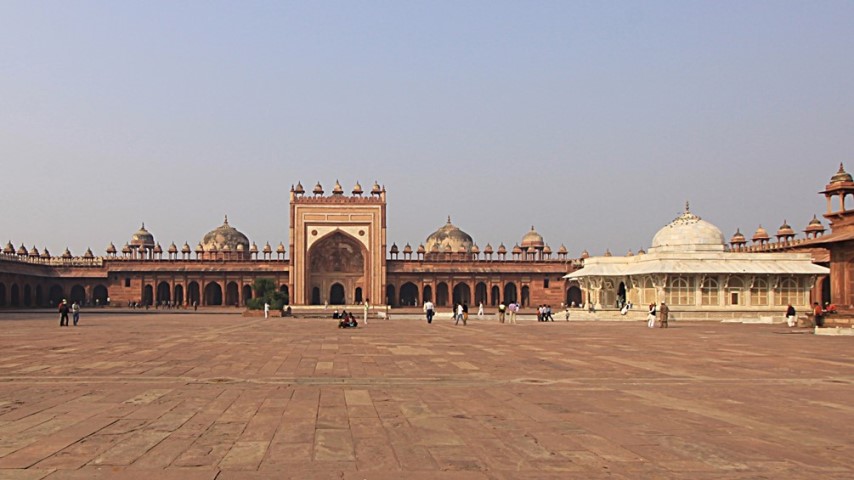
(266, 292)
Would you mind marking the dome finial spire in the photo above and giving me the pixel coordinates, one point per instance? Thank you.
(449, 219)
(226, 219)
(687, 206)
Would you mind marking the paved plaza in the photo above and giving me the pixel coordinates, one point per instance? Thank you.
(202, 396)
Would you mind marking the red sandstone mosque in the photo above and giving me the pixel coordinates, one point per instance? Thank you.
(337, 254)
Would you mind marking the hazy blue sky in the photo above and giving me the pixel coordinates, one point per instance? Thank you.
(593, 121)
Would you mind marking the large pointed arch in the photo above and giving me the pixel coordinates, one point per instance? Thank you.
(336, 258)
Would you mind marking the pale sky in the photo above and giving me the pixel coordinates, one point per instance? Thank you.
(593, 121)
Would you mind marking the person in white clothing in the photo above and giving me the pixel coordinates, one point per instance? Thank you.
(480, 310)
(650, 319)
(367, 307)
(266, 310)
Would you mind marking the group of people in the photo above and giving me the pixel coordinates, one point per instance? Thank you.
(345, 319)
(662, 314)
(64, 310)
(544, 313)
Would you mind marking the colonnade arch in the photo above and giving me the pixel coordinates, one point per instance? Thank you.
(193, 294)
(78, 294)
(2, 294)
(15, 296)
(163, 293)
(55, 295)
(179, 294)
(409, 294)
(232, 293)
(462, 293)
(28, 296)
(480, 294)
(213, 294)
(441, 294)
(39, 296)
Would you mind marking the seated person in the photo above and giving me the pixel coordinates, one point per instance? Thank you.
(348, 321)
(335, 314)
(829, 307)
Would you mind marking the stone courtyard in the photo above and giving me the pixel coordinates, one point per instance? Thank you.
(209, 395)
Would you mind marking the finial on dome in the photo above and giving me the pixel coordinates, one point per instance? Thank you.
(143, 226)
(226, 220)
(687, 207)
(449, 219)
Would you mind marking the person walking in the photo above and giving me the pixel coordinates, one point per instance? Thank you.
(513, 307)
(63, 313)
(791, 315)
(465, 313)
(459, 314)
(817, 312)
(75, 313)
(663, 315)
(480, 310)
(650, 319)
(567, 313)
(502, 309)
(367, 307)
(266, 310)
(429, 310)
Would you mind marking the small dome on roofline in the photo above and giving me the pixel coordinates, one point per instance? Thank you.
(841, 175)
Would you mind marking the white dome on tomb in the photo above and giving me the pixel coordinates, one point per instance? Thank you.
(688, 233)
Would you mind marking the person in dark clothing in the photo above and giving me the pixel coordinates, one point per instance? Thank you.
(63, 313)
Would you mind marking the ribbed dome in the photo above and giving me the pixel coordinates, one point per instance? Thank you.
(532, 239)
(88, 253)
(173, 248)
(126, 249)
(299, 190)
(760, 234)
(111, 249)
(517, 249)
(337, 189)
(421, 249)
(475, 249)
(67, 253)
(562, 250)
(785, 230)
(394, 248)
(688, 233)
(22, 250)
(502, 249)
(45, 254)
(158, 248)
(142, 238)
(222, 236)
(318, 189)
(737, 238)
(547, 250)
(280, 248)
(841, 176)
(268, 248)
(357, 189)
(815, 225)
(9, 249)
(34, 252)
(253, 248)
(488, 249)
(450, 236)
(407, 248)
(185, 248)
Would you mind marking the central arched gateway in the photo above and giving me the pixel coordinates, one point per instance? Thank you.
(336, 268)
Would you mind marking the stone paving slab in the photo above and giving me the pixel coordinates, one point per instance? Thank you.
(198, 396)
